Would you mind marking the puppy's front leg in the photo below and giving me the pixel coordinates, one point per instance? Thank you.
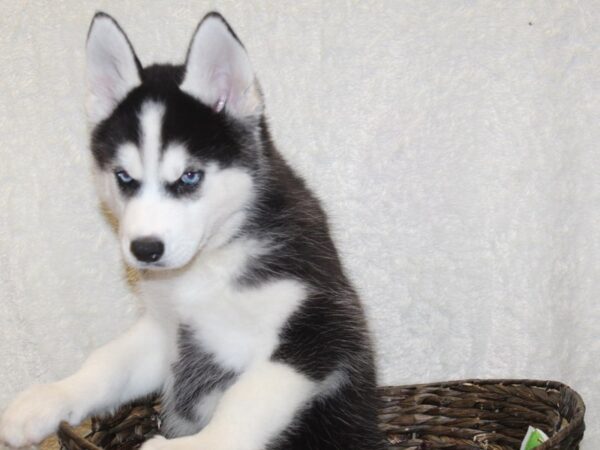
(259, 406)
(128, 367)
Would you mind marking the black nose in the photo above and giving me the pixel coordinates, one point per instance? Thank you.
(147, 249)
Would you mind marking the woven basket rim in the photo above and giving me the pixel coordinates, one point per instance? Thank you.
(578, 418)
(69, 430)
(576, 422)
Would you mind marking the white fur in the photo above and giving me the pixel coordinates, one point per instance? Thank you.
(218, 71)
(240, 326)
(129, 159)
(35, 413)
(456, 149)
(116, 373)
(185, 226)
(256, 408)
(151, 120)
(111, 68)
(175, 161)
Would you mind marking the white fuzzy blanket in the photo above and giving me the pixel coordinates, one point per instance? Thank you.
(455, 145)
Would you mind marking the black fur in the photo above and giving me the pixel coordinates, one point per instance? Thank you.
(327, 336)
(195, 374)
(209, 136)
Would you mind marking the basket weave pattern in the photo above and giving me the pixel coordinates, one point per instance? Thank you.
(481, 414)
(458, 415)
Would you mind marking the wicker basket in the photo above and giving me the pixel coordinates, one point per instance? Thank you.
(457, 415)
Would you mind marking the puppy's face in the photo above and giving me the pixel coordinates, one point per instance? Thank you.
(175, 147)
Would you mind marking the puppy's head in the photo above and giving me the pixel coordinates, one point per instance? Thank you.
(176, 147)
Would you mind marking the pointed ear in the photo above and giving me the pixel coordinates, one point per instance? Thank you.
(112, 67)
(218, 71)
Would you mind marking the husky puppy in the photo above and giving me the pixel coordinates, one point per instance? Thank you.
(251, 330)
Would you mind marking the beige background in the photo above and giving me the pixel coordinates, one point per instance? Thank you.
(454, 144)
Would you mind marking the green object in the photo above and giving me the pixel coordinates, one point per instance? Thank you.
(534, 438)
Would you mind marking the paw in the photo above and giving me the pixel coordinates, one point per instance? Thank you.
(157, 443)
(186, 443)
(35, 414)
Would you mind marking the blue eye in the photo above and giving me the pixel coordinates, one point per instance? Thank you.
(191, 178)
(123, 177)
(127, 184)
(186, 183)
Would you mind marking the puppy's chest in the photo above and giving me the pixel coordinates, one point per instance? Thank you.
(236, 325)
(196, 380)
(217, 339)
